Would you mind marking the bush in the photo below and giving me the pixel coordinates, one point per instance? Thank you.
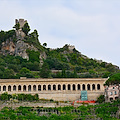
(101, 99)
(51, 100)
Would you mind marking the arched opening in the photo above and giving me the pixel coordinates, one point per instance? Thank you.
(49, 87)
(93, 87)
(88, 87)
(19, 88)
(29, 88)
(34, 87)
(69, 87)
(54, 87)
(111, 99)
(73, 86)
(116, 98)
(98, 86)
(0, 88)
(39, 87)
(59, 87)
(78, 87)
(44, 87)
(24, 88)
(14, 88)
(9, 88)
(64, 87)
(83, 87)
(4, 88)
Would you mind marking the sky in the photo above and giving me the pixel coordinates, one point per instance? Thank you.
(92, 26)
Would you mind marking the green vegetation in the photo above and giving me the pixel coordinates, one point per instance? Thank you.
(21, 97)
(32, 39)
(101, 99)
(74, 62)
(45, 71)
(26, 28)
(17, 26)
(105, 111)
(69, 63)
(16, 67)
(33, 55)
(114, 79)
(7, 35)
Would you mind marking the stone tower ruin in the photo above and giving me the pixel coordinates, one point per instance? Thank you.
(19, 33)
(21, 22)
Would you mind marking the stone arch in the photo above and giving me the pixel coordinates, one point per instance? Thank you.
(14, 88)
(44, 87)
(54, 87)
(69, 87)
(73, 87)
(24, 88)
(88, 86)
(98, 86)
(78, 87)
(9, 88)
(116, 98)
(4, 88)
(83, 87)
(111, 99)
(49, 87)
(93, 86)
(64, 87)
(19, 88)
(29, 87)
(39, 87)
(34, 87)
(59, 87)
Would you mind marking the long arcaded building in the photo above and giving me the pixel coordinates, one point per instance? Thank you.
(58, 89)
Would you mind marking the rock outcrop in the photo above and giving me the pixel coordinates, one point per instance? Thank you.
(19, 47)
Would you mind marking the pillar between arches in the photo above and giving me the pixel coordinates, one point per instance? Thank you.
(6, 88)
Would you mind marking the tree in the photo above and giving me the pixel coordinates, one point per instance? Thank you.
(45, 44)
(75, 74)
(33, 55)
(2, 36)
(63, 73)
(17, 26)
(5, 96)
(114, 79)
(101, 99)
(24, 70)
(8, 73)
(106, 75)
(45, 71)
(26, 28)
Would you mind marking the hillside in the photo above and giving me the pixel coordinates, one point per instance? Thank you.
(21, 54)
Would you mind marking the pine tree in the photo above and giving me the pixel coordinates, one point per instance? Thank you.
(45, 71)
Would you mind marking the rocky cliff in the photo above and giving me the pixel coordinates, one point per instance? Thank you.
(17, 44)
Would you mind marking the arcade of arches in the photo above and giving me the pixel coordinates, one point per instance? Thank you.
(57, 89)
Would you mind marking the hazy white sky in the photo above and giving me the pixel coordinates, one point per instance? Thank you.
(93, 26)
